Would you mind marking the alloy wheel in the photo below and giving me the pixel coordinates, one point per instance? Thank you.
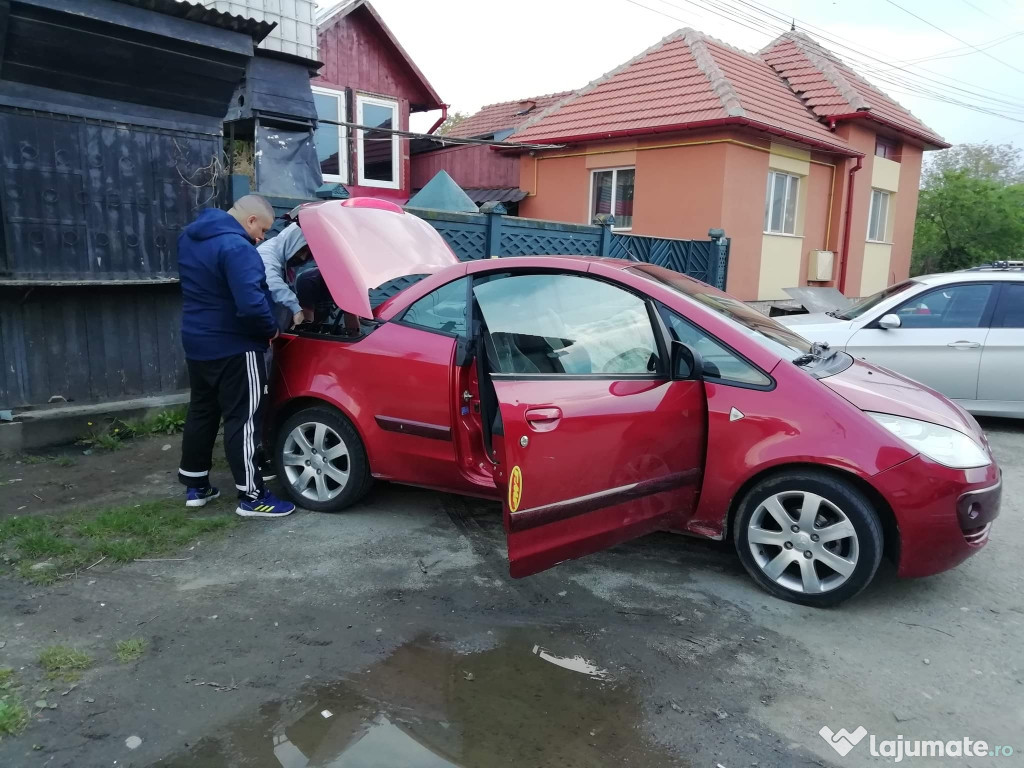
(316, 461)
(803, 542)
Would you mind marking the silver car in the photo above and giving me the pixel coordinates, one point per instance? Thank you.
(961, 333)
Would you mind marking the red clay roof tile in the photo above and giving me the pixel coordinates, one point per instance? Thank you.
(503, 116)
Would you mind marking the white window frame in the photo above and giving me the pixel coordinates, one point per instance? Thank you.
(590, 195)
(343, 150)
(361, 101)
(792, 188)
(871, 214)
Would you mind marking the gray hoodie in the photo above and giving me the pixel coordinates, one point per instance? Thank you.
(275, 253)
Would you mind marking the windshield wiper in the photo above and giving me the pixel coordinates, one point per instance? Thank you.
(819, 351)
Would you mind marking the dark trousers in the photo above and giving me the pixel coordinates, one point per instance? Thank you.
(233, 388)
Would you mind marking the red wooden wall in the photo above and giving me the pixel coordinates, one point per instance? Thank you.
(469, 166)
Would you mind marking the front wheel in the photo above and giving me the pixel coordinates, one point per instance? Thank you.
(321, 462)
(808, 537)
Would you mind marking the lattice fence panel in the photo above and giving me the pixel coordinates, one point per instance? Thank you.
(522, 242)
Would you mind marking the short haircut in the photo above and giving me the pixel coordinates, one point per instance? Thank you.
(254, 205)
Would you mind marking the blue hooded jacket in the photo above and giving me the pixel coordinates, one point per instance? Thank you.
(226, 306)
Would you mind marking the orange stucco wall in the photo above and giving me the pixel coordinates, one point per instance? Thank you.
(689, 183)
(906, 212)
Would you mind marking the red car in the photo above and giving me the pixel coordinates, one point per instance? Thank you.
(601, 400)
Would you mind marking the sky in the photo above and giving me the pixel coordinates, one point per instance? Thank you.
(477, 52)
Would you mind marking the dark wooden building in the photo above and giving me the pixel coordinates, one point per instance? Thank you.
(111, 125)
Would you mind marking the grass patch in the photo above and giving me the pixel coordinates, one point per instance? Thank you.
(64, 461)
(170, 422)
(130, 650)
(63, 662)
(13, 714)
(121, 534)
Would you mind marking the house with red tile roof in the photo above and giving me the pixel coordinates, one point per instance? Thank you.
(485, 175)
(810, 170)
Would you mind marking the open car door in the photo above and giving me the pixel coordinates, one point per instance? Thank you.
(596, 444)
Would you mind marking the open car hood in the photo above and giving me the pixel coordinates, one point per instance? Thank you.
(362, 243)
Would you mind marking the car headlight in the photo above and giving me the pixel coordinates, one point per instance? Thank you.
(942, 444)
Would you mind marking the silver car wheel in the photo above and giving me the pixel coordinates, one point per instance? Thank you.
(803, 542)
(316, 461)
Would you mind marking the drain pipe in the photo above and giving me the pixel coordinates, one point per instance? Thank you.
(845, 258)
(441, 119)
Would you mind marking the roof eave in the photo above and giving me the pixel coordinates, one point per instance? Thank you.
(678, 127)
(931, 141)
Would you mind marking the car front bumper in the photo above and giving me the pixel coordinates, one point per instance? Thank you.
(943, 515)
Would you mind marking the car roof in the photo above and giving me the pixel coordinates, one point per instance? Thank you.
(970, 277)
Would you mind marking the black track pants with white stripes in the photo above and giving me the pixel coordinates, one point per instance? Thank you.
(232, 387)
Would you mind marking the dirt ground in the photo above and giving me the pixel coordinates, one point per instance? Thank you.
(391, 635)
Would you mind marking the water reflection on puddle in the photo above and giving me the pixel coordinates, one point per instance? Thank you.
(427, 706)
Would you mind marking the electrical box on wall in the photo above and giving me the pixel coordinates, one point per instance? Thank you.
(819, 266)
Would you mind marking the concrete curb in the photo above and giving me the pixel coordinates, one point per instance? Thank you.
(63, 424)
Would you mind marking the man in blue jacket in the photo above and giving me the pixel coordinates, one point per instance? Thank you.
(226, 326)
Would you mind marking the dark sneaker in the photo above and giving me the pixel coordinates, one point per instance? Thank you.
(197, 497)
(264, 505)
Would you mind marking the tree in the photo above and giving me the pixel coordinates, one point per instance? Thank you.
(965, 219)
(1001, 163)
(451, 121)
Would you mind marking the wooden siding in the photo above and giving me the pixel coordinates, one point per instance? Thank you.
(356, 55)
(469, 166)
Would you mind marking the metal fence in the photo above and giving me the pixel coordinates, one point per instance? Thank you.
(484, 235)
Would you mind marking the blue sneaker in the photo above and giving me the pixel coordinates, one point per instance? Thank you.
(264, 505)
(197, 497)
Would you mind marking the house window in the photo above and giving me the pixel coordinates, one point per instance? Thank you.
(331, 140)
(878, 216)
(612, 192)
(780, 203)
(377, 149)
(885, 148)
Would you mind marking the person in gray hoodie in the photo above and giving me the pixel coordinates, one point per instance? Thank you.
(281, 255)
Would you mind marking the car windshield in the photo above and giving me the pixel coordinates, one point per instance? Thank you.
(874, 300)
(779, 339)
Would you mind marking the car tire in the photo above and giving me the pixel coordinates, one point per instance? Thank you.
(329, 443)
(809, 537)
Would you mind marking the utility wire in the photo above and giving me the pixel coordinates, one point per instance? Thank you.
(958, 39)
(729, 14)
(440, 139)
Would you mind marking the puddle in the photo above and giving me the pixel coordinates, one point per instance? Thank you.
(428, 706)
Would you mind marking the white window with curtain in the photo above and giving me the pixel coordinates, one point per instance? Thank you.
(331, 140)
(780, 203)
(611, 191)
(878, 216)
(377, 149)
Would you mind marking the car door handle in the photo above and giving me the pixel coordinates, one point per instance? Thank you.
(543, 415)
(964, 344)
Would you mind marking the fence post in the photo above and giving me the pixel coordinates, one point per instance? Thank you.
(718, 270)
(495, 211)
(606, 221)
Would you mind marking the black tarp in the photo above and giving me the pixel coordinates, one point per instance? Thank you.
(286, 161)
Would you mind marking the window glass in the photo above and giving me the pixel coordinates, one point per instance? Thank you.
(885, 148)
(719, 362)
(378, 147)
(780, 206)
(613, 193)
(878, 216)
(874, 300)
(955, 306)
(331, 147)
(441, 310)
(565, 324)
(1011, 306)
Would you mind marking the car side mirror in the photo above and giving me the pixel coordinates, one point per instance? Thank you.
(687, 364)
(890, 321)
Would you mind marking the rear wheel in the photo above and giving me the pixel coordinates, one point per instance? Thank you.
(809, 537)
(321, 462)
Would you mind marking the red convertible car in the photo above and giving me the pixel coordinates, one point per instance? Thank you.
(601, 400)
